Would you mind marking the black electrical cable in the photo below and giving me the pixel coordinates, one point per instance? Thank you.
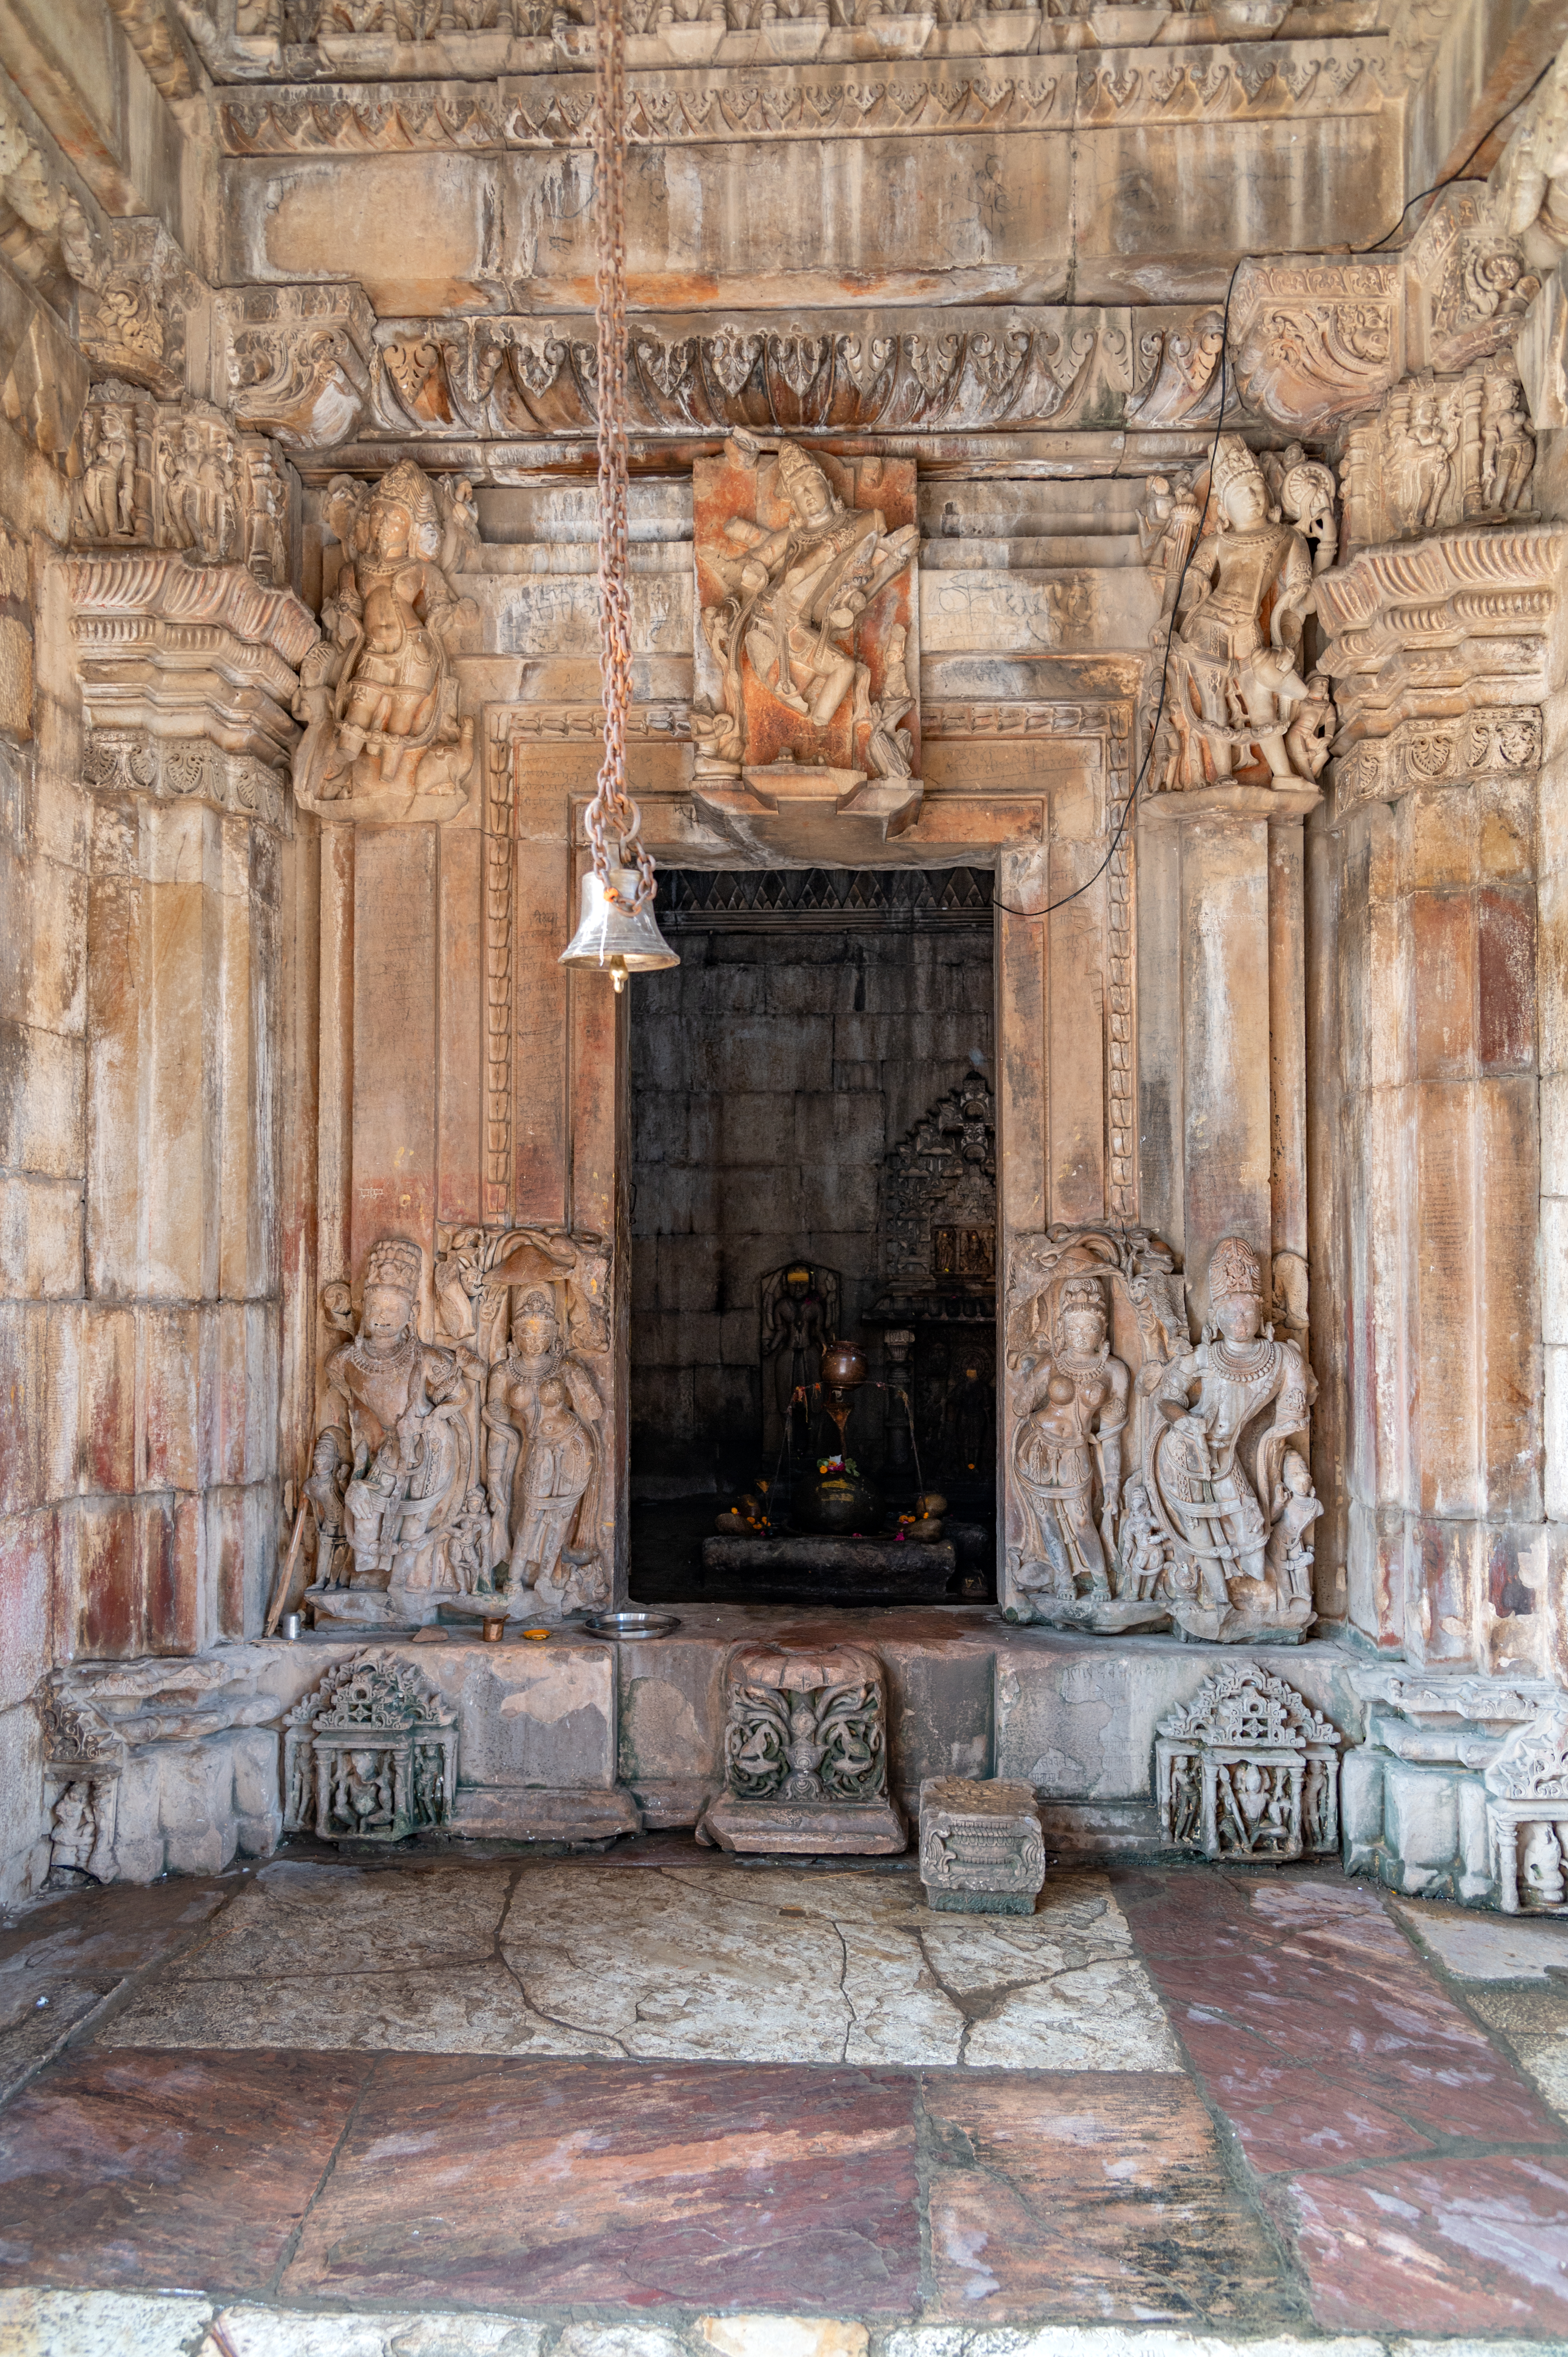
(1034, 915)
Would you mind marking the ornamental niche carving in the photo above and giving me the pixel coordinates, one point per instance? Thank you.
(400, 1521)
(809, 633)
(1237, 708)
(1093, 1318)
(298, 361)
(1445, 450)
(1248, 1769)
(378, 695)
(532, 1308)
(1527, 1814)
(805, 1754)
(371, 1755)
(1315, 341)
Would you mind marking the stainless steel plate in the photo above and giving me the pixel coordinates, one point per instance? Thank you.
(628, 1624)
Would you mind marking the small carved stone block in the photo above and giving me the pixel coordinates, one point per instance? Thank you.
(981, 1852)
(805, 1755)
(1248, 1769)
(371, 1755)
(1527, 1814)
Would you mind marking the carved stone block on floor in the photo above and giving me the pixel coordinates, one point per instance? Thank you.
(981, 1852)
(805, 1755)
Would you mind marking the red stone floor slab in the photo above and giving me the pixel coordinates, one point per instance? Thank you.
(484, 2180)
(1456, 2246)
(174, 2169)
(1065, 2196)
(1370, 2105)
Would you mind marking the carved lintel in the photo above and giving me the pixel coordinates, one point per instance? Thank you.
(1495, 741)
(298, 360)
(1317, 340)
(182, 650)
(187, 768)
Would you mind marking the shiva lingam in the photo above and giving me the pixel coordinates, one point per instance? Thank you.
(835, 1498)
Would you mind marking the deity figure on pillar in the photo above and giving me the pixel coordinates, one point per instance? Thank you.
(378, 695)
(407, 1404)
(1218, 1486)
(1237, 705)
(799, 1319)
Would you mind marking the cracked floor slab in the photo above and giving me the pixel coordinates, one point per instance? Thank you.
(680, 1965)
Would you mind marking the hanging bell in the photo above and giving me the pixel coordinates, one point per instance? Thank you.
(614, 936)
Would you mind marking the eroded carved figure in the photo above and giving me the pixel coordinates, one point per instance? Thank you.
(1248, 1769)
(531, 1306)
(407, 1406)
(1234, 686)
(379, 696)
(1215, 1482)
(1093, 1318)
(1072, 1412)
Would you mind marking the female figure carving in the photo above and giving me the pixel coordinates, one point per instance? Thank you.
(1072, 1411)
(544, 1464)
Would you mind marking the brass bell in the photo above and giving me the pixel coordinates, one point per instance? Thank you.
(611, 934)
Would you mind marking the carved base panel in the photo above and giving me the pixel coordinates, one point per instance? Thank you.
(806, 1828)
(535, 1813)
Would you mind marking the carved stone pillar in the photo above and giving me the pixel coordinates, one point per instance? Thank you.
(167, 686)
(1437, 1082)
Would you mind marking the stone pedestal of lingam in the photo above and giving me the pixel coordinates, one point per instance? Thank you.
(981, 1851)
(805, 1755)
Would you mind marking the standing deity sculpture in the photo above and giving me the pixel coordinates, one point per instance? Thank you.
(106, 489)
(1235, 692)
(799, 1319)
(378, 695)
(1507, 446)
(1217, 1491)
(408, 1445)
(544, 1466)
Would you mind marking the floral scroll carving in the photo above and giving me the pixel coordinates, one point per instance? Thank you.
(805, 1752)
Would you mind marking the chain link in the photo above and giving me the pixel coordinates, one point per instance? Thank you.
(612, 810)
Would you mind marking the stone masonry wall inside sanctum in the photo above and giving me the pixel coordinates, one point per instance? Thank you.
(771, 1075)
(1067, 449)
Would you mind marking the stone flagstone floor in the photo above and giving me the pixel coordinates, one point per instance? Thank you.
(663, 2103)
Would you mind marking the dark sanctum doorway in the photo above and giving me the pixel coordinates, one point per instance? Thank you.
(813, 1159)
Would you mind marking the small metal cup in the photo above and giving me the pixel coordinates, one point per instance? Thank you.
(491, 1631)
(290, 1626)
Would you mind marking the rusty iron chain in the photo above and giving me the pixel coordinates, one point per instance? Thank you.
(612, 810)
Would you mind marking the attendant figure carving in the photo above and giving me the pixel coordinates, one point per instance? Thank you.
(799, 1320)
(1217, 1517)
(544, 1465)
(1235, 686)
(1071, 1410)
(1507, 446)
